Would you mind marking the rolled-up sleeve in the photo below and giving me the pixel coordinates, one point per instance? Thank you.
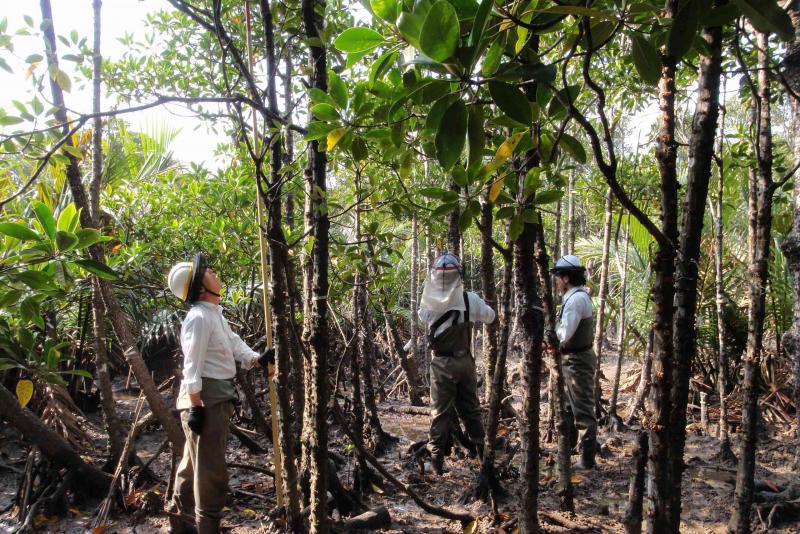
(194, 341)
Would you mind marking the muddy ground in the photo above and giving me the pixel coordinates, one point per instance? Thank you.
(600, 496)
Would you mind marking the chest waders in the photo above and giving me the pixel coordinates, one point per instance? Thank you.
(454, 383)
(579, 364)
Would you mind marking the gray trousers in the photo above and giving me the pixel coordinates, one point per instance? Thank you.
(201, 481)
(454, 389)
(579, 381)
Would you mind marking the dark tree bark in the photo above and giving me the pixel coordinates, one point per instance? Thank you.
(453, 232)
(414, 320)
(569, 242)
(760, 215)
(87, 479)
(659, 485)
(564, 463)
(633, 515)
(116, 315)
(701, 152)
(315, 425)
(279, 296)
(644, 380)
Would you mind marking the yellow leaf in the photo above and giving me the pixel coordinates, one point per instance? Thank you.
(235, 19)
(24, 392)
(99, 529)
(576, 479)
(472, 527)
(334, 137)
(377, 489)
(494, 191)
(505, 151)
(31, 68)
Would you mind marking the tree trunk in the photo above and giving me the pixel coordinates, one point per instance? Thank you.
(760, 211)
(600, 318)
(119, 321)
(316, 426)
(116, 434)
(279, 296)
(613, 418)
(633, 515)
(570, 240)
(725, 451)
(701, 152)
(414, 319)
(659, 485)
(564, 491)
(488, 287)
(88, 479)
(453, 232)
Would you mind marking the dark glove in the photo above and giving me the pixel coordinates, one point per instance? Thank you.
(197, 415)
(267, 358)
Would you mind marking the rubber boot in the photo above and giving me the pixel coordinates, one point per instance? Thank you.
(178, 525)
(587, 460)
(207, 525)
(437, 463)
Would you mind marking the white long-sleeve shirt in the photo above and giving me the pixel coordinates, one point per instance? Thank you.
(210, 348)
(479, 312)
(577, 305)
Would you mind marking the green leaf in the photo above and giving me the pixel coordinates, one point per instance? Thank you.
(325, 112)
(317, 95)
(359, 39)
(433, 192)
(451, 135)
(63, 81)
(9, 120)
(79, 372)
(19, 231)
(476, 135)
(683, 30)
(73, 151)
(385, 9)
(45, 218)
(766, 16)
(66, 240)
(548, 195)
(645, 58)
(359, 149)
(10, 297)
(492, 59)
(67, 219)
(36, 280)
(475, 41)
(29, 312)
(516, 227)
(440, 32)
(511, 101)
(573, 147)
(317, 130)
(88, 237)
(410, 24)
(382, 64)
(337, 89)
(719, 16)
(98, 269)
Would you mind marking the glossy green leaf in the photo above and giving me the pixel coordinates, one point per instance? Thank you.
(359, 149)
(29, 312)
(646, 60)
(548, 196)
(36, 280)
(359, 39)
(45, 218)
(410, 23)
(68, 218)
(768, 17)
(19, 231)
(573, 147)
(440, 32)
(325, 112)
(492, 59)
(476, 135)
(88, 237)
(98, 269)
(65, 240)
(511, 101)
(683, 30)
(337, 89)
(452, 133)
(386, 9)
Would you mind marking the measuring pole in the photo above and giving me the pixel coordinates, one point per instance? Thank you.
(266, 278)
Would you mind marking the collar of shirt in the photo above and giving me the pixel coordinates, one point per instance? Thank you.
(209, 306)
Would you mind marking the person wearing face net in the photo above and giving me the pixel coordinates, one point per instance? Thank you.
(449, 311)
(210, 352)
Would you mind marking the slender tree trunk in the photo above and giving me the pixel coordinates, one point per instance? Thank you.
(565, 491)
(762, 188)
(116, 434)
(414, 320)
(701, 152)
(316, 426)
(633, 516)
(118, 320)
(489, 289)
(659, 485)
(600, 318)
(453, 232)
(570, 240)
(717, 211)
(613, 418)
(88, 479)
(279, 296)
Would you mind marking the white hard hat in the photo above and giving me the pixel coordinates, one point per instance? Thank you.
(179, 279)
(568, 263)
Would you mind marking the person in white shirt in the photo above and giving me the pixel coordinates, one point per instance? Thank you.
(210, 352)
(575, 331)
(449, 312)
